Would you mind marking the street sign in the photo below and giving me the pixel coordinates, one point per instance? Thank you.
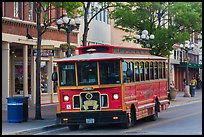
(44, 53)
(44, 47)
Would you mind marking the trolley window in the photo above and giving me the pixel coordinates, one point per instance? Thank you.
(151, 71)
(160, 69)
(164, 69)
(131, 66)
(67, 74)
(142, 71)
(109, 72)
(137, 78)
(125, 66)
(155, 70)
(147, 70)
(87, 73)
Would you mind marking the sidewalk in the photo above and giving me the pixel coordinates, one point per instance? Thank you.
(49, 116)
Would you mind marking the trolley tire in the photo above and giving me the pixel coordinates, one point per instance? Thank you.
(155, 116)
(133, 116)
(126, 124)
(131, 121)
(74, 127)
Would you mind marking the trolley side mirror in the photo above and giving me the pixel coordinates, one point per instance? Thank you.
(54, 76)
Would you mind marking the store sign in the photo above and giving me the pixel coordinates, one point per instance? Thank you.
(44, 47)
(44, 53)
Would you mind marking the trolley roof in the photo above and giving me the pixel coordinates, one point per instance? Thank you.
(107, 56)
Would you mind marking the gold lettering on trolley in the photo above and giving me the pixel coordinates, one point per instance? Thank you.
(90, 103)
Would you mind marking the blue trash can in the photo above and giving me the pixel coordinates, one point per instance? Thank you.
(15, 109)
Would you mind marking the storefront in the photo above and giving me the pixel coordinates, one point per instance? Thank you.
(180, 73)
(19, 69)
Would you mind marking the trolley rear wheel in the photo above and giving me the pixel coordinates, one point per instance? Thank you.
(155, 116)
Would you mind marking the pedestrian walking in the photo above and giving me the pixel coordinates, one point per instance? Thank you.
(193, 86)
(184, 83)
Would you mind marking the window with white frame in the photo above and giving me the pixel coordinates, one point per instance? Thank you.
(30, 11)
(107, 17)
(174, 54)
(16, 9)
(97, 14)
(104, 16)
(100, 16)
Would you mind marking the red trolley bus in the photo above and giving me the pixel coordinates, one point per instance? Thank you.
(110, 84)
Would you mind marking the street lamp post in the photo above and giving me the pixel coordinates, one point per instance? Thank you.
(187, 47)
(68, 25)
(145, 38)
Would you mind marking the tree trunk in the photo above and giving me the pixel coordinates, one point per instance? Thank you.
(38, 62)
(85, 35)
(86, 24)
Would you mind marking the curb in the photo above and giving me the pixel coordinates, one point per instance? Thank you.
(35, 130)
(184, 103)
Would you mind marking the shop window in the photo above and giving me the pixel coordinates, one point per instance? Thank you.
(19, 78)
(44, 77)
(55, 82)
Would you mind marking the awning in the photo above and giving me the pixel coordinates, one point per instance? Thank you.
(190, 65)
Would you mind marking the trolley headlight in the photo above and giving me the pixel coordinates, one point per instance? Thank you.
(66, 98)
(115, 96)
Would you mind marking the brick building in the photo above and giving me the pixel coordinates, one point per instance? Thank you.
(18, 52)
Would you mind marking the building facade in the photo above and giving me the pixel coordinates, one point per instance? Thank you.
(179, 63)
(19, 40)
(99, 28)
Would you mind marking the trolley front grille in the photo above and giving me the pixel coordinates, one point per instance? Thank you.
(90, 101)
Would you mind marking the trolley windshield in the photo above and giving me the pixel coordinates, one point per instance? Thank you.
(87, 73)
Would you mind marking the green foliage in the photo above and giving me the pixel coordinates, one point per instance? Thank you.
(70, 7)
(183, 19)
(43, 8)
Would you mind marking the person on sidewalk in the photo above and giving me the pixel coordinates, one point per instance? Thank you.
(184, 84)
(193, 86)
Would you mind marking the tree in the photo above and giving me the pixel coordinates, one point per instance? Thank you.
(170, 22)
(95, 10)
(42, 8)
